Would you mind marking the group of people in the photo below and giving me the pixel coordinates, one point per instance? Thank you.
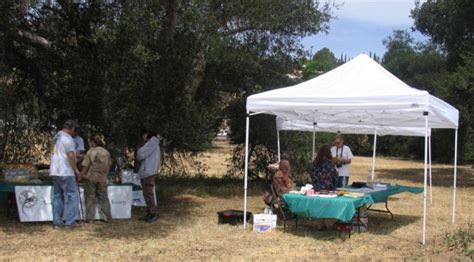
(70, 165)
(330, 169)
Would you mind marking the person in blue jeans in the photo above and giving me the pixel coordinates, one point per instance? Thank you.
(63, 171)
(342, 156)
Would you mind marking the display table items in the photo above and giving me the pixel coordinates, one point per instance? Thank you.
(346, 204)
(382, 193)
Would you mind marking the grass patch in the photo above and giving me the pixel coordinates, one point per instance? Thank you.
(188, 229)
(204, 186)
(461, 240)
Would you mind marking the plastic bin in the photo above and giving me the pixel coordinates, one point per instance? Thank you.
(232, 217)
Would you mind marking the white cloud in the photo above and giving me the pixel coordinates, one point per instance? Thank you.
(382, 12)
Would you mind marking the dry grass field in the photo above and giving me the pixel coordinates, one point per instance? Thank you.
(188, 229)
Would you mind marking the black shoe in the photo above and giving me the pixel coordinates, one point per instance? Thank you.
(152, 218)
(146, 217)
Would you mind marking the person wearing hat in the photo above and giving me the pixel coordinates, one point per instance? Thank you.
(64, 172)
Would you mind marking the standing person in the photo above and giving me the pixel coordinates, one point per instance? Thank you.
(324, 173)
(64, 171)
(149, 156)
(342, 156)
(95, 167)
(79, 145)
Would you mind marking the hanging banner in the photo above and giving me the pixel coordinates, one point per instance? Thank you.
(138, 199)
(34, 203)
(120, 199)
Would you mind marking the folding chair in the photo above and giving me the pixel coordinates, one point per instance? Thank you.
(277, 204)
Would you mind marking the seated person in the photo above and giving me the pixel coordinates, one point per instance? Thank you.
(281, 179)
(324, 173)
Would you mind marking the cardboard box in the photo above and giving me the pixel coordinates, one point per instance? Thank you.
(264, 222)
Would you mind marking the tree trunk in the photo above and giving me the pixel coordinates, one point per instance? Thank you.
(169, 24)
(197, 74)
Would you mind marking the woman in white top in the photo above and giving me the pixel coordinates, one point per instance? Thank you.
(342, 156)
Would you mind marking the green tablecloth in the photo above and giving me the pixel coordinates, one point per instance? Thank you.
(382, 195)
(341, 208)
(10, 187)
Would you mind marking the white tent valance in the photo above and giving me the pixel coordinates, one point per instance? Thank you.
(302, 125)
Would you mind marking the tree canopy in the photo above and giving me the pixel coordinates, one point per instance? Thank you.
(443, 66)
(168, 65)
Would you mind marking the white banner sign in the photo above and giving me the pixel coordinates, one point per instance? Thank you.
(138, 199)
(35, 203)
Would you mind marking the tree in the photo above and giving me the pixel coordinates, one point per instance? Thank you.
(458, 88)
(421, 66)
(321, 62)
(449, 23)
(118, 66)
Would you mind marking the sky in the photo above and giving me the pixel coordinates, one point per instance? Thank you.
(361, 26)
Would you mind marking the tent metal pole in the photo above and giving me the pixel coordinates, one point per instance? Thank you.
(425, 175)
(455, 173)
(278, 144)
(247, 125)
(314, 140)
(373, 156)
(430, 173)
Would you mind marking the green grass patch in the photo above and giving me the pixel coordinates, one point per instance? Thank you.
(461, 240)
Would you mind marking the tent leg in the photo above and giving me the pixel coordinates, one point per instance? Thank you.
(373, 156)
(430, 173)
(314, 141)
(247, 125)
(455, 173)
(425, 175)
(278, 145)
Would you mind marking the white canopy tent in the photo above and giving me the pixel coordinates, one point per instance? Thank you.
(358, 95)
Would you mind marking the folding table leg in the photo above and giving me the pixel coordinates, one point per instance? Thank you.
(283, 215)
(387, 210)
(358, 219)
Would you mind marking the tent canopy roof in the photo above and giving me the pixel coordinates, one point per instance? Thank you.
(356, 94)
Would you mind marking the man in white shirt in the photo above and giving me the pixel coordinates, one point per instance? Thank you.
(342, 156)
(63, 171)
(149, 156)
